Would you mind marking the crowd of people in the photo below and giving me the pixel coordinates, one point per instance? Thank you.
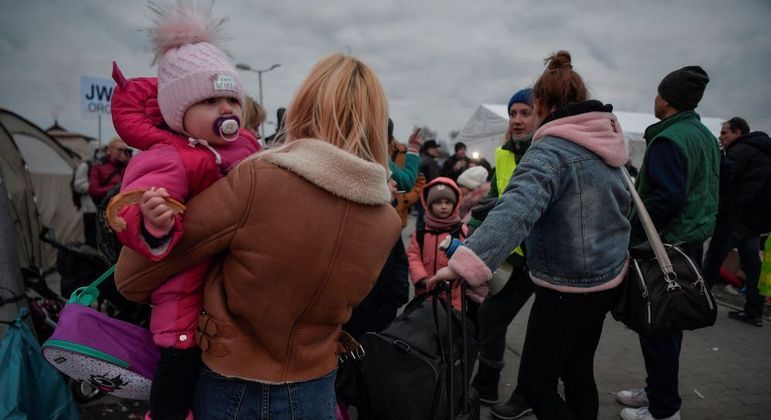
(286, 241)
(569, 180)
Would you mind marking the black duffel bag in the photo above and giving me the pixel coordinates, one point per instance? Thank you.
(411, 366)
(664, 291)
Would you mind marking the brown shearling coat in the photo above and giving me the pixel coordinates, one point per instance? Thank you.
(302, 236)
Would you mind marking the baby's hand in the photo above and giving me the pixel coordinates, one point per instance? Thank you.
(158, 216)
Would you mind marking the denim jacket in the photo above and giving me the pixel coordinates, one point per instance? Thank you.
(568, 201)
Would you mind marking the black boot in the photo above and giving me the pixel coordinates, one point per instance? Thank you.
(486, 382)
(516, 407)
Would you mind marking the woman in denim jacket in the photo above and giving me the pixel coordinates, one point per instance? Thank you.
(568, 201)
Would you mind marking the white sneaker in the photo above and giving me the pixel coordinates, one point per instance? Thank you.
(731, 290)
(633, 398)
(643, 414)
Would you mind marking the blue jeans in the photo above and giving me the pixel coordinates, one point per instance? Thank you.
(725, 238)
(218, 397)
(662, 362)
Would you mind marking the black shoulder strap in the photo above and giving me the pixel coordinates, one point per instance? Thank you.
(420, 235)
(457, 231)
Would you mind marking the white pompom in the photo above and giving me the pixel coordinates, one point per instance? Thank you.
(183, 23)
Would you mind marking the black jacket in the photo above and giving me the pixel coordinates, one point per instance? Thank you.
(448, 169)
(391, 291)
(744, 170)
(429, 168)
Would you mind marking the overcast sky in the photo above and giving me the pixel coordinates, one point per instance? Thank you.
(438, 60)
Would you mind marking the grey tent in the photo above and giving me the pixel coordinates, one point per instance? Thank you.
(81, 144)
(36, 170)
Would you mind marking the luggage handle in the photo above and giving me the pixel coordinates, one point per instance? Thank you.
(653, 237)
(446, 286)
(86, 295)
(464, 349)
(447, 354)
(415, 303)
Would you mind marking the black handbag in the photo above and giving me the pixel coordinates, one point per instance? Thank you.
(664, 291)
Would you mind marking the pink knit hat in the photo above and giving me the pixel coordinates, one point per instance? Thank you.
(191, 67)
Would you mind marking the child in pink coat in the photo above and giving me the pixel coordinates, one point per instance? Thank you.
(187, 122)
(440, 199)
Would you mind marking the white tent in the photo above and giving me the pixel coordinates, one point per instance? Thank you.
(484, 131)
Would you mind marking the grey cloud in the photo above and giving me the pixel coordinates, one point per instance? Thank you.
(438, 60)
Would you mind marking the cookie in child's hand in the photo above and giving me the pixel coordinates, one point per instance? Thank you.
(117, 223)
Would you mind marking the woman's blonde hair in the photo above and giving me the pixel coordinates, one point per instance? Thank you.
(343, 103)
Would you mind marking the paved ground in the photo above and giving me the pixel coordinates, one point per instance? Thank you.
(110, 408)
(725, 371)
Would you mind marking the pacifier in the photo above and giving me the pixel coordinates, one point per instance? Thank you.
(227, 127)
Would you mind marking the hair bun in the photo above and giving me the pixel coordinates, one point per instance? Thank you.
(558, 60)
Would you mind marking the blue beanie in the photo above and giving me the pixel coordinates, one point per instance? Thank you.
(524, 96)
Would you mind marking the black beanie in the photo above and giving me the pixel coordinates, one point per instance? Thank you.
(684, 88)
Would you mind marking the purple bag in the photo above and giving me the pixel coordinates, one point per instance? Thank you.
(111, 355)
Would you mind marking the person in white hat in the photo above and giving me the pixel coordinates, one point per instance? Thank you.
(474, 185)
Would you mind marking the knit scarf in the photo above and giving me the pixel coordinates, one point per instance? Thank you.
(434, 223)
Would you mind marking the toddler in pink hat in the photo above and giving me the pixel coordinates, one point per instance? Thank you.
(187, 122)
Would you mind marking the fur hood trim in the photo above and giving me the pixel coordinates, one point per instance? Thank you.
(333, 169)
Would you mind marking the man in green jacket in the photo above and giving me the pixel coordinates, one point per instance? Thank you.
(678, 182)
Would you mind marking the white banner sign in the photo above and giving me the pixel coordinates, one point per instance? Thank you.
(95, 95)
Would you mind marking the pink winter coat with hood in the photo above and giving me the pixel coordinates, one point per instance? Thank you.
(425, 261)
(184, 168)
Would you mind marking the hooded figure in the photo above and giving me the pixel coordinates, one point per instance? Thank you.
(423, 252)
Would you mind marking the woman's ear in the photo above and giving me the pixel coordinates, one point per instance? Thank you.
(539, 112)
(540, 109)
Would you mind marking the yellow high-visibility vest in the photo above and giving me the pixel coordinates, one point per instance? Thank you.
(764, 285)
(505, 165)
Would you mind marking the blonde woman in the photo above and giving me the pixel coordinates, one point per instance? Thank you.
(294, 229)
